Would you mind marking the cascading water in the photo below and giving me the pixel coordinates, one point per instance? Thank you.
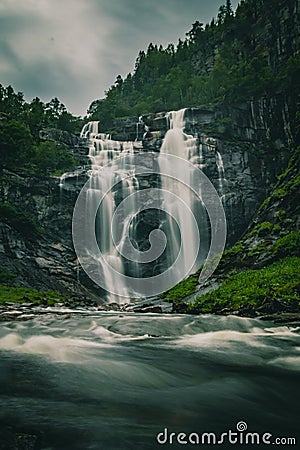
(114, 164)
(103, 175)
(91, 131)
(182, 145)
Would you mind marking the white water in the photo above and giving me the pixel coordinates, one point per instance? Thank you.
(103, 175)
(182, 145)
(113, 381)
(91, 131)
(178, 226)
(221, 172)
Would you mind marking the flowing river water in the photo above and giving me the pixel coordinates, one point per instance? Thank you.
(98, 380)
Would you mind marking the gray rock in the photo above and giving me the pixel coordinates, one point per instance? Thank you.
(148, 309)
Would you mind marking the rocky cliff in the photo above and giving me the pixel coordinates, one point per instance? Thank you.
(242, 153)
(244, 147)
(252, 142)
(260, 273)
(36, 233)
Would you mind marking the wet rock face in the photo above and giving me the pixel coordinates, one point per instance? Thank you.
(127, 129)
(250, 140)
(35, 238)
(59, 136)
(243, 148)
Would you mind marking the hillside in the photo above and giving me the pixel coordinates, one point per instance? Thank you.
(238, 78)
(260, 273)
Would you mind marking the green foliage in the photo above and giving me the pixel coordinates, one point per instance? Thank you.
(6, 277)
(182, 290)
(27, 295)
(287, 245)
(49, 158)
(225, 61)
(57, 116)
(279, 281)
(33, 116)
(261, 229)
(11, 103)
(258, 249)
(20, 147)
(280, 214)
(237, 249)
(37, 114)
(222, 127)
(16, 144)
(19, 220)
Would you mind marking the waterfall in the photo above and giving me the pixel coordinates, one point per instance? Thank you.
(182, 145)
(119, 230)
(89, 130)
(221, 172)
(103, 175)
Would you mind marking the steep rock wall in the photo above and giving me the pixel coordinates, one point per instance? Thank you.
(254, 141)
(36, 232)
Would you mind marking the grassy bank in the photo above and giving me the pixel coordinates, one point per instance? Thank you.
(272, 288)
(27, 295)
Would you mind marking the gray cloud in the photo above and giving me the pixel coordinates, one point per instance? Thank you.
(74, 49)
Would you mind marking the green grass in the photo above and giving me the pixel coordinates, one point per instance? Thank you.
(234, 251)
(27, 295)
(287, 245)
(279, 281)
(182, 290)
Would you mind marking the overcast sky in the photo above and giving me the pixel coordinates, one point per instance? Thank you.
(74, 49)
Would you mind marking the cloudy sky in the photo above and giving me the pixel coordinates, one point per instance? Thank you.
(74, 49)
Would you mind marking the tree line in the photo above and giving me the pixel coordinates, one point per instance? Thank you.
(236, 57)
(20, 123)
(224, 61)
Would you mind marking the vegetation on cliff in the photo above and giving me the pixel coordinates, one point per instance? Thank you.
(19, 220)
(25, 295)
(261, 272)
(269, 289)
(239, 56)
(9, 292)
(20, 123)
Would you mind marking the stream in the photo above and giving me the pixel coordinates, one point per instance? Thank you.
(111, 380)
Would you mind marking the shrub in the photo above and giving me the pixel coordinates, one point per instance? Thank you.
(16, 144)
(19, 220)
(288, 245)
(50, 158)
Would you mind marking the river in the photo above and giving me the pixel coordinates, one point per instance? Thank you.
(106, 381)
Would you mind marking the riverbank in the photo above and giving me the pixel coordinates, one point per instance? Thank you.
(10, 311)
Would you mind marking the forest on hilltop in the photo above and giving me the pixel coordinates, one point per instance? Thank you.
(238, 56)
(232, 59)
(20, 124)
